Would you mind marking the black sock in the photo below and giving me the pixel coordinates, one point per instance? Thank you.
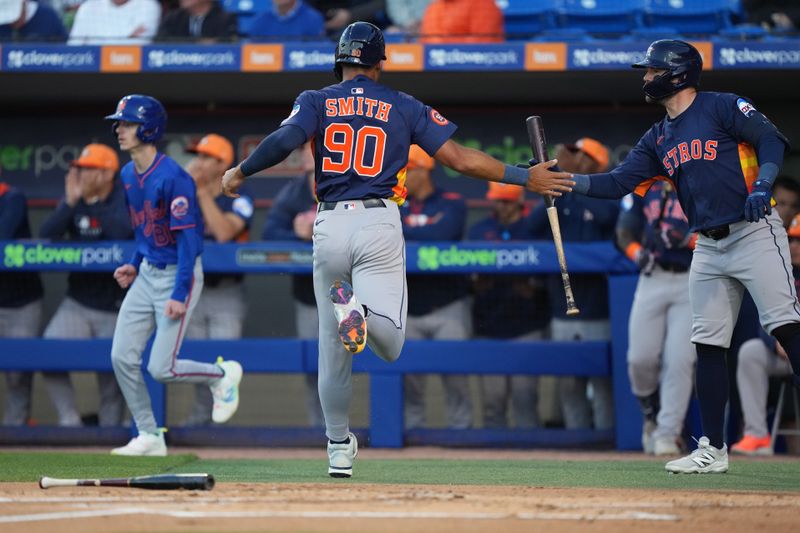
(789, 337)
(650, 406)
(711, 384)
(345, 441)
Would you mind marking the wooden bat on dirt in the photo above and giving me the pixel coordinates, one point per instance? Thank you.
(157, 482)
(539, 150)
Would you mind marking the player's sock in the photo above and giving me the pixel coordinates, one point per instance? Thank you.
(650, 406)
(711, 384)
(345, 441)
(789, 337)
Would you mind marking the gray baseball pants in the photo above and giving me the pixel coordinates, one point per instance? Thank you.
(365, 247)
(451, 322)
(756, 364)
(19, 323)
(74, 320)
(141, 314)
(659, 348)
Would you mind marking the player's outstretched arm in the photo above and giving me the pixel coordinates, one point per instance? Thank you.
(539, 178)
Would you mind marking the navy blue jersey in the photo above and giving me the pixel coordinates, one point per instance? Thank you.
(659, 218)
(243, 208)
(106, 220)
(16, 288)
(507, 305)
(161, 201)
(361, 133)
(439, 217)
(702, 152)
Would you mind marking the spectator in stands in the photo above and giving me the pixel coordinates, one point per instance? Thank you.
(115, 22)
(287, 19)
(405, 15)
(291, 218)
(462, 21)
(779, 15)
(339, 13)
(786, 193)
(582, 219)
(26, 20)
(202, 21)
(438, 306)
(509, 306)
(759, 359)
(93, 209)
(221, 309)
(20, 304)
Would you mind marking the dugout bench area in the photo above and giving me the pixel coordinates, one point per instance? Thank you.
(385, 428)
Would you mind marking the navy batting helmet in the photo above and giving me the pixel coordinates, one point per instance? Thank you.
(143, 110)
(682, 62)
(361, 44)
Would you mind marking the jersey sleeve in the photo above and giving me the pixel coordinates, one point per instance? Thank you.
(740, 118)
(635, 173)
(305, 113)
(243, 208)
(181, 196)
(429, 128)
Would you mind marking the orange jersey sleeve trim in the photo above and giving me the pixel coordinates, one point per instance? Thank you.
(644, 186)
(632, 249)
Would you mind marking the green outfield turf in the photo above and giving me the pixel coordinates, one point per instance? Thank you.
(743, 475)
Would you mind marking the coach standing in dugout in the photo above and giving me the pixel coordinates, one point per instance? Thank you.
(291, 218)
(723, 156)
(508, 306)
(20, 304)
(438, 306)
(582, 220)
(93, 209)
(221, 309)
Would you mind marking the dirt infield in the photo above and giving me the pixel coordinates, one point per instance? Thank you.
(355, 508)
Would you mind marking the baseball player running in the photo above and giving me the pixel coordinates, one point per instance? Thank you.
(362, 131)
(165, 277)
(722, 157)
(654, 233)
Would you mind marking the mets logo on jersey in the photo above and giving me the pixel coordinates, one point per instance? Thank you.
(438, 118)
(745, 107)
(179, 207)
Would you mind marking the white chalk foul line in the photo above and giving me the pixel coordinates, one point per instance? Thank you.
(627, 515)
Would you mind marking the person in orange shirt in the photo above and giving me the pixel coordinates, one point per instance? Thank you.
(462, 21)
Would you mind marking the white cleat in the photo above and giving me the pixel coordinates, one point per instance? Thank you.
(706, 459)
(226, 391)
(144, 445)
(340, 457)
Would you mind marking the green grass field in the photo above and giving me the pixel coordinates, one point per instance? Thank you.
(783, 476)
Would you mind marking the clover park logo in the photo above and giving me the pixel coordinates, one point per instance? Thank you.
(14, 256)
(428, 258)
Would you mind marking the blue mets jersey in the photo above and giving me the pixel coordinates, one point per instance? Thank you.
(162, 200)
(361, 133)
(703, 154)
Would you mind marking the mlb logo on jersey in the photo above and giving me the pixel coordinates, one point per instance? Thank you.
(357, 90)
(179, 207)
(349, 205)
(745, 107)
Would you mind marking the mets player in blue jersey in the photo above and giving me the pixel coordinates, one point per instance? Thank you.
(722, 156)
(654, 233)
(361, 132)
(164, 277)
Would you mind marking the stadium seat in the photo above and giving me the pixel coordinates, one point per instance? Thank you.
(525, 18)
(696, 17)
(744, 32)
(601, 17)
(566, 35)
(649, 34)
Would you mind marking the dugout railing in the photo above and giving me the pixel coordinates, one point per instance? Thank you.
(266, 355)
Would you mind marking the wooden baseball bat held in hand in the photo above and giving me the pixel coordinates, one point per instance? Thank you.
(539, 151)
